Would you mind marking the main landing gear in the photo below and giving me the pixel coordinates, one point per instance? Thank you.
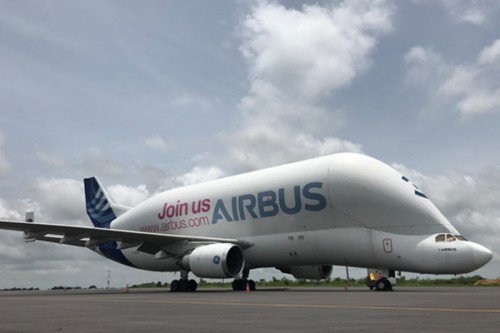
(241, 284)
(184, 284)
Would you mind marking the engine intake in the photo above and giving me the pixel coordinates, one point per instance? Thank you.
(220, 260)
(318, 272)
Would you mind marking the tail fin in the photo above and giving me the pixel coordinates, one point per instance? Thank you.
(99, 207)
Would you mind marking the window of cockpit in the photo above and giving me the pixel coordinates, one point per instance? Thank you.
(440, 238)
(460, 237)
(450, 238)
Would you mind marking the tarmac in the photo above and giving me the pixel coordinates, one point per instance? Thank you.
(268, 310)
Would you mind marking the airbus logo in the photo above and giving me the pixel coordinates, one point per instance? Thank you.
(269, 203)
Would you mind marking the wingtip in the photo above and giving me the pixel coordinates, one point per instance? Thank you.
(30, 217)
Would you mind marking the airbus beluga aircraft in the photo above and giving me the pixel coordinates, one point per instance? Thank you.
(302, 218)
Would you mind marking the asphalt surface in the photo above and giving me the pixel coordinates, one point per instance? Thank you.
(269, 310)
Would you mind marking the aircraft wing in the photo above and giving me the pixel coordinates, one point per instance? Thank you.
(91, 237)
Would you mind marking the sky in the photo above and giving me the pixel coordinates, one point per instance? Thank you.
(153, 95)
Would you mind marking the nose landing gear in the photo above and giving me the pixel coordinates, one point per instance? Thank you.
(381, 280)
(383, 285)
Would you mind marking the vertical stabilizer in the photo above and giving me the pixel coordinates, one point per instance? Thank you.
(99, 207)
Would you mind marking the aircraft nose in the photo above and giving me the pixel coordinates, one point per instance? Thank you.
(481, 254)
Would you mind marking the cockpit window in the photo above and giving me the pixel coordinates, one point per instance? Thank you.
(440, 238)
(449, 238)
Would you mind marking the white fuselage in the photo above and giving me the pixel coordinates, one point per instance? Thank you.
(343, 209)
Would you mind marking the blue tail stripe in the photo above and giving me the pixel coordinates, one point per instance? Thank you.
(101, 214)
(98, 205)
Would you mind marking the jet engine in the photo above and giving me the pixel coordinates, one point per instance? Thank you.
(318, 272)
(220, 260)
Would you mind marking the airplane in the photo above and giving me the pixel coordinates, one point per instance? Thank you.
(302, 218)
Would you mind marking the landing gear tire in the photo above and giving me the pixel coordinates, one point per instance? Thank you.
(251, 285)
(383, 285)
(192, 285)
(183, 285)
(174, 286)
(241, 285)
(237, 285)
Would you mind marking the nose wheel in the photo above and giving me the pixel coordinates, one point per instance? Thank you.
(383, 285)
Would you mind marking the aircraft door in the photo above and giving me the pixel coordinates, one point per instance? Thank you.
(387, 243)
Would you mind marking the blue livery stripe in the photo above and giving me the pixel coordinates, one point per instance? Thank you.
(110, 251)
(98, 204)
(420, 194)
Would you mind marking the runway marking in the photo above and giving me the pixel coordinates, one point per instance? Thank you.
(305, 306)
(125, 299)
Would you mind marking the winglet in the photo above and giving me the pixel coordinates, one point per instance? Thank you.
(99, 207)
(30, 217)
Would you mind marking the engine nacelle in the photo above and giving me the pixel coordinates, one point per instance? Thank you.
(308, 272)
(220, 260)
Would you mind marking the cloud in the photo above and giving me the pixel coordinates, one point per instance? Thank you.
(423, 64)
(101, 163)
(199, 175)
(8, 213)
(470, 11)
(313, 51)
(51, 159)
(190, 101)
(61, 200)
(157, 142)
(480, 102)
(296, 58)
(93, 161)
(470, 88)
(490, 54)
(128, 196)
(269, 144)
(5, 166)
